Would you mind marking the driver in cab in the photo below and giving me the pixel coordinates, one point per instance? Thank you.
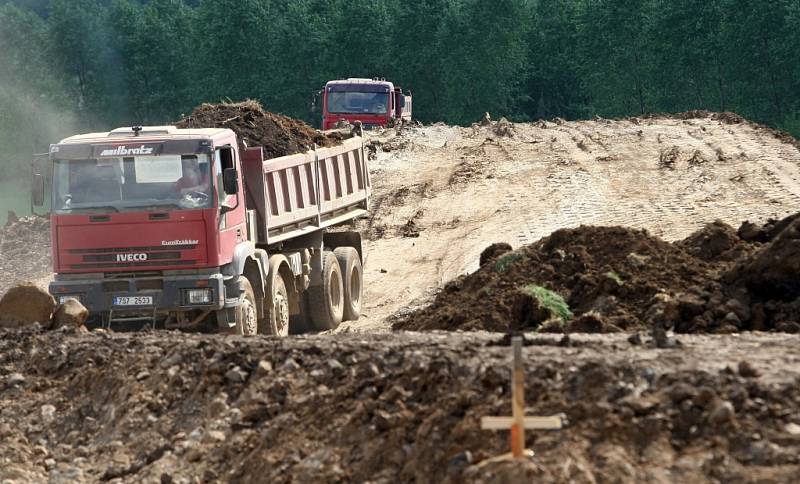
(194, 179)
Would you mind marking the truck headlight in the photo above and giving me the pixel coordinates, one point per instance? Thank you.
(198, 296)
(66, 297)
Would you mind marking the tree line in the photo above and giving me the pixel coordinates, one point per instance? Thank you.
(73, 65)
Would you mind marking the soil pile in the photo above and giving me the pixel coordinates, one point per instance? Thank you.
(605, 279)
(25, 252)
(279, 135)
(186, 408)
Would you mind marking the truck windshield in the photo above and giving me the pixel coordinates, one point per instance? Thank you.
(130, 183)
(356, 102)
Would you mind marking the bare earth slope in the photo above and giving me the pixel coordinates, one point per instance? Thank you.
(442, 194)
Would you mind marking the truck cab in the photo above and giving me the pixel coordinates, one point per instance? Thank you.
(143, 221)
(373, 102)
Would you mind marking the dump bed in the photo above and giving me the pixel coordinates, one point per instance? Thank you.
(297, 194)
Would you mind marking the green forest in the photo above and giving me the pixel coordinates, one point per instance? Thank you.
(75, 65)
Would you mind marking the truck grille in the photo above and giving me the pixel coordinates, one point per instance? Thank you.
(114, 257)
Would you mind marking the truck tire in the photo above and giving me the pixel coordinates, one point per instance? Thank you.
(326, 301)
(353, 281)
(246, 314)
(276, 320)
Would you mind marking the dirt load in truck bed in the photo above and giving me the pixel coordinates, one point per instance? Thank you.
(279, 135)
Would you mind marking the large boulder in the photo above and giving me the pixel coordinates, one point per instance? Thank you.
(24, 305)
(71, 314)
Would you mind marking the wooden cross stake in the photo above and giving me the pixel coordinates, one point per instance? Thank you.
(518, 422)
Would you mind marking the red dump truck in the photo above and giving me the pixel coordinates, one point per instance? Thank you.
(180, 228)
(373, 102)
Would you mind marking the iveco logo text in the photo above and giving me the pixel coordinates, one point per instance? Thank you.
(123, 151)
(179, 242)
(131, 257)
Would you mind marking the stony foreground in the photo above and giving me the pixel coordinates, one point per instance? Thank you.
(170, 407)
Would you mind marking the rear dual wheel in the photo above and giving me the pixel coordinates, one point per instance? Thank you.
(352, 278)
(326, 301)
(339, 296)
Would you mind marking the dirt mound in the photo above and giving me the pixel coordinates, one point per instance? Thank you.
(611, 271)
(187, 408)
(716, 242)
(279, 135)
(608, 279)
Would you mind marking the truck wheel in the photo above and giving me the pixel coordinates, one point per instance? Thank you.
(326, 301)
(246, 315)
(353, 281)
(276, 321)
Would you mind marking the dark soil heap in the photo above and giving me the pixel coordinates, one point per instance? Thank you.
(279, 135)
(96, 407)
(606, 279)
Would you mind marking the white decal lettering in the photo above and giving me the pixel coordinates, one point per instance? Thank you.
(131, 257)
(123, 151)
(179, 242)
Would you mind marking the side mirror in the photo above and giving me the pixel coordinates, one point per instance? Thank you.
(37, 190)
(230, 181)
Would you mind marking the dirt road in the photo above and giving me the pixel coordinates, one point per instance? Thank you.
(442, 194)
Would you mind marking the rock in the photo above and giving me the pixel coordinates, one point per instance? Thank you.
(218, 406)
(731, 319)
(486, 119)
(70, 314)
(635, 339)
(792, 428)
(142, 375)
(214, 436)
(663, 311)
(747, 370)
(263, 368)
(289, 366)
(494, 251)
(236, 375)
(48, 414)
(739, 308)
(334, 365)
(788, 327)
(722, 413)
(15, 379)
(26, 304)
(637, 260)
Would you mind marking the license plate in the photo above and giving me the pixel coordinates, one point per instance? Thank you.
(133, 301)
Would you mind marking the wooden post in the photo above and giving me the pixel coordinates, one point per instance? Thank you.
(518, 422)
(518, 400)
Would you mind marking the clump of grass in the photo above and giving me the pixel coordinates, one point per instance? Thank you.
(504, 262)
(614, 277)
(550, 300)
